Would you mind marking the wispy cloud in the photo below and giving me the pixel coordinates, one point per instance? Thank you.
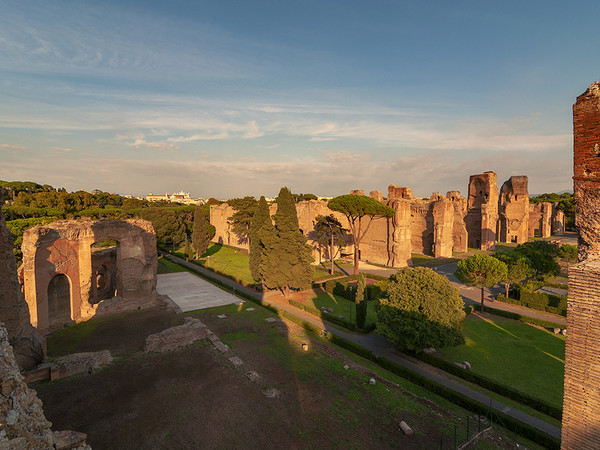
(13, 148)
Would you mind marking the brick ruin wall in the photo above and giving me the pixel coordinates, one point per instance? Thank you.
(28, 344)
(513, 223)
(581, 406)
(435, 227)
(65, 279)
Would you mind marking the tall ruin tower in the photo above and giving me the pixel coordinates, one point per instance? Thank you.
(581, 410)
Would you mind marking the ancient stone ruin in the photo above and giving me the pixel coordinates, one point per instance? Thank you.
(581, 408)
(77, 269)
(27, 343)
(436, 226)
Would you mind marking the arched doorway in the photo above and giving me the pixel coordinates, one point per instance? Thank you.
(59, 301)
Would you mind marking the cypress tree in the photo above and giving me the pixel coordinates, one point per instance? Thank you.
(260, 218)
(287, 258)
(200, 236)
(361, 301)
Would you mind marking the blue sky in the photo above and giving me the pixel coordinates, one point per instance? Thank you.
(232, 98)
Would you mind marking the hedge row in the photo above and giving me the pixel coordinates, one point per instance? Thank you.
(486, 383)
(555, 304)
(524, 319)
(342, 288)
(332, 318)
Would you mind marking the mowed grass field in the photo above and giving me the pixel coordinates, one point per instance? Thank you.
(233, 262)
(518, 355)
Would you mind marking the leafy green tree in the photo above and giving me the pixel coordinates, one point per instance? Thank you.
(517, 268)
(420, 309)
(200, 234)
(360, 301)
(355, 208)
(187, 250)
(541, 256)
(482, 271)
(241, 220)
(168, 226)
(330, 233)
(286, 263)
(568, 253)
(259, 219)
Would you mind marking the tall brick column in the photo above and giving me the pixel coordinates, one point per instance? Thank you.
(581, 410)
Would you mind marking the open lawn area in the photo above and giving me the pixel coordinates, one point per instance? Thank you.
(341, 307)
(196, 397)
(166, 266)
(515, 354)
(233, 262)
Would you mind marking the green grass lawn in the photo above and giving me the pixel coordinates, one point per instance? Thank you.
(166, 266)
(233, 262)
(341, 307)
(515, 354)
(419, 259)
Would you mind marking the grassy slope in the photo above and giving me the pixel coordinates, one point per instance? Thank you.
(515, 354)
(340, 306)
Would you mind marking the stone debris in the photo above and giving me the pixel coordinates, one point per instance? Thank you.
(467, 365)
(429, 350)
(305, 347)
(563, 331)
(372, 381)
(237, 362)
(85, 362)
(24, 425)
(556, 330)
(250, 309)
(461, 365)
(272, 393)
(330, 310)
(175, 337)
(271, 319)
(406, 429)
(346, 367)
(212, 337)
(221, 316)
(252, 375)
(223, 348)
(67, 440)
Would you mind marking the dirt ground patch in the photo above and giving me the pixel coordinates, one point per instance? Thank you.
(196, 398)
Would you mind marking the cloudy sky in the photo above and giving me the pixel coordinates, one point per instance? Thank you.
(230, 98)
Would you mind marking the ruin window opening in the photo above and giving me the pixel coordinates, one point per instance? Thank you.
(105, 270)
(59, 301)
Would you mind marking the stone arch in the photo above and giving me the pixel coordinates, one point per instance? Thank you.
(65, 247)
(59, 301)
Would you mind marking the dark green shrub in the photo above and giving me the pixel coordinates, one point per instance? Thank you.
(329, 286)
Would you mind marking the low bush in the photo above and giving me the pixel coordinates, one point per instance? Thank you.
(524, 319)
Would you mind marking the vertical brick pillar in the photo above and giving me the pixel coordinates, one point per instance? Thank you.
(581, 409)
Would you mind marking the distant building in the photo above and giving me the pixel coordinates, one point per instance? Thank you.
(180, 197)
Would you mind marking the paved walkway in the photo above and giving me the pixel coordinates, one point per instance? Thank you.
(378, 345)
(190, 292)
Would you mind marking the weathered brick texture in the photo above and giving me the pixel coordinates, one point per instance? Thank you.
(581, 408)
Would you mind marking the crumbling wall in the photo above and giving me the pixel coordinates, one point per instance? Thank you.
(23, 424)
(513, 211)
(63, 249)
(482, 210)
(459, 229)
(541, 216)
(581, 406)
(443, 221)
(421, 227)
(399, 246)
(220, 216)
(28, 344)
(395, 192)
